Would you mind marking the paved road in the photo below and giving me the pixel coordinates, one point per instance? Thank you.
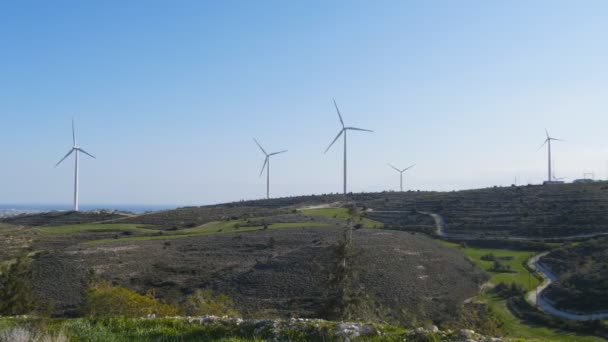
(535, 296)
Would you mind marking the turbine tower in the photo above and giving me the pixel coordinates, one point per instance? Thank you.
(401, 174)
(267, 166)
(548, 142)
(343, 130)
(76, 149)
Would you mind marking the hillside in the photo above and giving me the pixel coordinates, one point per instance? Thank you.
(59, 218)
(526, 211)
(279, 271)
(582, 269)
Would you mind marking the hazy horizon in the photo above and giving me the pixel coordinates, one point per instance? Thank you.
(169, 97)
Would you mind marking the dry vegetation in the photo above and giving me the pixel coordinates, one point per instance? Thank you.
(277, 272)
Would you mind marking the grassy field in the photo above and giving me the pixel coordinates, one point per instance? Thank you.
(343, 214)
(513, 326)
(211, 228)
(76, 228)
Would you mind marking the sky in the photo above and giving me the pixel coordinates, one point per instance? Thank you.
(169, 94)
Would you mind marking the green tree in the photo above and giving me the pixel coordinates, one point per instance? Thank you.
(16, 289)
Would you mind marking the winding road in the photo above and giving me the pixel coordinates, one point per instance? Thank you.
(535, 296)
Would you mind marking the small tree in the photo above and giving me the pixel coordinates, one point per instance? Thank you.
(16, 289)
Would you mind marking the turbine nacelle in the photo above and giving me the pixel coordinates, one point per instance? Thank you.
(344, 128)
(401, 171)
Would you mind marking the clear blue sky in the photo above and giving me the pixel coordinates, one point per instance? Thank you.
(168, 94)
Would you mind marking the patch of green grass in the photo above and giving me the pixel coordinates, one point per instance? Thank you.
(124, 330)
(514, 259)
(211, 228)
(92, 227)
(513, 326)
(516, 328)
(343, 214)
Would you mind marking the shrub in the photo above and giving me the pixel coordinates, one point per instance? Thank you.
(105, 300)
(500, 267)
(488, 257)
(204, 302)
(16, 289)
(509, 291)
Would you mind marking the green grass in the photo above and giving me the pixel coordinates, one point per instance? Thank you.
(211, 228)
(519, 275)
(92, 227)
(514, 327)
(123, 330)
(343, 214)
(179, 329)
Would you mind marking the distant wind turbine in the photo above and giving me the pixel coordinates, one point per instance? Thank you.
(267, 166)
(343, 130)
(548, 142)
(76, 149)
(401, 174)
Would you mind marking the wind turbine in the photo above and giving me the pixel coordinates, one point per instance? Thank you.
(76, 149)
(401, 174)
(267, 166)
(548, 142)
(343, 130)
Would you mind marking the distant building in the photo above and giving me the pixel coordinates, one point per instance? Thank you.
(583, 180)
(553, 182)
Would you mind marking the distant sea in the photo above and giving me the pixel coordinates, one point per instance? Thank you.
(36, 208)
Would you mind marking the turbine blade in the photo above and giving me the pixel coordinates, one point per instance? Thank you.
(67, 155)
(547, 132)
(275, 153)
(358, 129)
(260, 146)
(411, 166)
(87, 153)
(339, 115)
(396, 169)
(557, 139)
(337, 136)
(264, 166)
(73, 133)
(541, 146)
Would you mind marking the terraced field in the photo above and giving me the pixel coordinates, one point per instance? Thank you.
(526, 211)
(534, 211)
(582, 271)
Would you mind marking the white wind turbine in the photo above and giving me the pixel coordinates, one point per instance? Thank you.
(548, 142)
(76, 149)
(267, 166)
(401, 174)
(343, 130)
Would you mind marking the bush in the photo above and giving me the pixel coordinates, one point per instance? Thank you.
(500, 267)
(104, 300)
(204, 302)
(509, 291)
(16, 289)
